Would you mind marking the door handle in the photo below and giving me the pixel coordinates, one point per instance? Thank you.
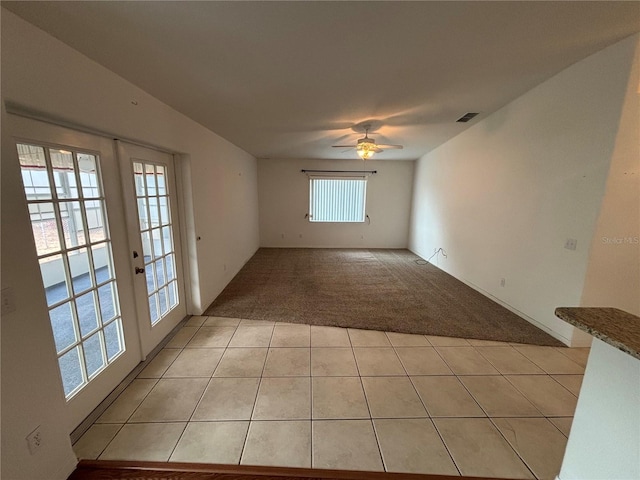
(139, 270)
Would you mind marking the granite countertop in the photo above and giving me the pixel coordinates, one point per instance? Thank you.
(615, 327)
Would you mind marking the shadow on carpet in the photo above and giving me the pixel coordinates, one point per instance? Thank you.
(385, 290)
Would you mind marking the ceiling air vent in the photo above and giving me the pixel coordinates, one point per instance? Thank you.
(466, 117)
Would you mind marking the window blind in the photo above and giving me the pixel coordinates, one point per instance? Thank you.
(337, 199)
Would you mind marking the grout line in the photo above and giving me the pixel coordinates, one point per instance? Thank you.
(511, 446)
(366, 399)
(112, 439)
(255, 400)
(178, 441)
(455, 464)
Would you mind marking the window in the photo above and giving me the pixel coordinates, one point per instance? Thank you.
(156, 232)
(337, 199)
(69, 223)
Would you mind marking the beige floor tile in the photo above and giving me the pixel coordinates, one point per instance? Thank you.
(182, 337)
(245, 322)
(127, 402)
(195, 362)
(374, 361)
(259, 336)
(227, 399)
(578, 355)
(211, 442)
(338, 397)
(291, 336)
(538, 443)
(498, 397)
(241, 362)
(278, 443)
(209, 337)
(422, 361)
(447, 341)
(551, 398)
(284, 398)
(563, 424)
(550, 360)
(171, 400)
(195, 321)
(570, 382)
(333, 362)
(486, 343)
(95, 440)
(345, 445)
(160, 363)
(508, 360)
(466, 361)
(392, 397)
(368, 338)
(413, 446)
(446, 397)
(221, 322)
(407, 340)
(479, 449)
(145, 441)
(288, 362)
(329, 337)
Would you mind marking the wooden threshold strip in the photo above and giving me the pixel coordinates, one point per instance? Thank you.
(112, 470)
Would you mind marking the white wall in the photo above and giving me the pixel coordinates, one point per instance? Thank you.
(604, 442)
(41, 74)
(284, 202)
(32, 392)
(613, 271)
(504, 196)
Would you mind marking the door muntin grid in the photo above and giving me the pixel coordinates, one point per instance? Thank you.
(156, 234)
(64, 194)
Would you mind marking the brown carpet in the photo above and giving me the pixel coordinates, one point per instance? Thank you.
(371, 289)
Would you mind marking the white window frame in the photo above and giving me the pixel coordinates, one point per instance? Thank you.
(313, 208)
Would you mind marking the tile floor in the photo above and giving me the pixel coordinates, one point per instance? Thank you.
(252, 392)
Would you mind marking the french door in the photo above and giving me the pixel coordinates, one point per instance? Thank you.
(148, 179)
(86, 227)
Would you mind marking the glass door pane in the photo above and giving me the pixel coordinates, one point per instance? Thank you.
(156, 234)
(64, 194)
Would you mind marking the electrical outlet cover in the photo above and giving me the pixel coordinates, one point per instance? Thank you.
(34, 441)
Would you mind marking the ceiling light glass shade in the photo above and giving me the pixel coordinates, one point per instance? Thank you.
(365, 150)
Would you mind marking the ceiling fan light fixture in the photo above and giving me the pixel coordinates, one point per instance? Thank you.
(365, 154)
(365, 149)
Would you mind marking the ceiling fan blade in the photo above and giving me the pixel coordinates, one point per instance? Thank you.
(388, 147)
(343, 146)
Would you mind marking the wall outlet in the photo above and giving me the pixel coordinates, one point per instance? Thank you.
(34, 441)
(503, 282)
(571, 244)
(282, 235)
(8, 303)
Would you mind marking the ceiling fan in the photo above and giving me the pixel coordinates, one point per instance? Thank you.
(367, 146)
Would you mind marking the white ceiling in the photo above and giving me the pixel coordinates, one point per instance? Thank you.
(290, 79)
